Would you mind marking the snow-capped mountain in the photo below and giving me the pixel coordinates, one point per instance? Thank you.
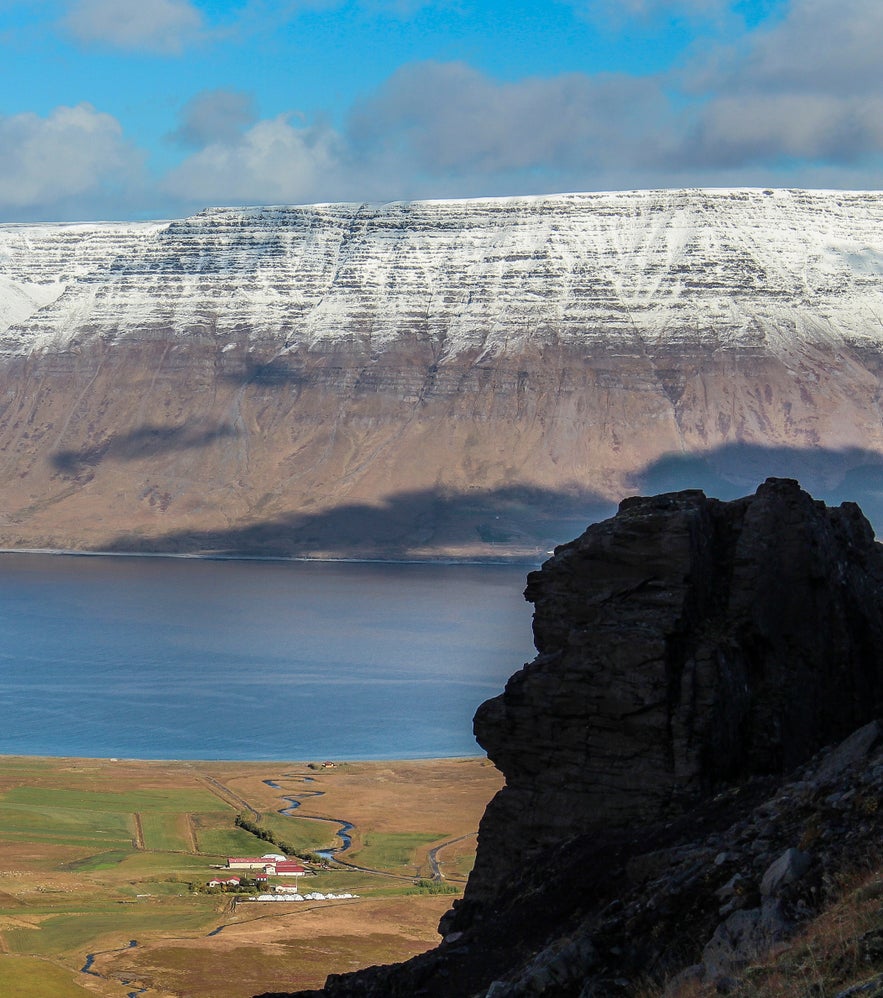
(731, 267)
(258, 369)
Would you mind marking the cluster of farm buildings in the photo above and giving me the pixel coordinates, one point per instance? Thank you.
(260, 868)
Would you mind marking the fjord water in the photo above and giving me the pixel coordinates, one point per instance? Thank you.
(157, 658)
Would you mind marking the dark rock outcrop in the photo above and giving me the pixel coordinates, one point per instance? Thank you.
(692, 654)
(683, 643)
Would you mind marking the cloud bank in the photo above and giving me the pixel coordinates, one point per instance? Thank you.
(75, 154)
(797, 99)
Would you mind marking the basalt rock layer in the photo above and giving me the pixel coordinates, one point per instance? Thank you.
(432, 378)
(693, 655)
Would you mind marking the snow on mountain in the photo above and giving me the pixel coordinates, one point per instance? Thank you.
(717, 267)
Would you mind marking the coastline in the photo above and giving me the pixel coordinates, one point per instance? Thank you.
(510, 562)
(123, 759)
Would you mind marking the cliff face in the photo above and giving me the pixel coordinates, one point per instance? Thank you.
(683, 644)
(431, 378)
(692, 656)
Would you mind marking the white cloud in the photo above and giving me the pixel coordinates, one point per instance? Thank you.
(806, 88)
(159, 26)
(76, 156)
(214, 116)
(821, 46)
(273, 162)
(757, 128)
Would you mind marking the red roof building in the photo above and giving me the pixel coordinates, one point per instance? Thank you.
(289, 869)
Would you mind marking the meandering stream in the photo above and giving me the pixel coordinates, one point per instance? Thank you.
(295, 801)
(90, 960)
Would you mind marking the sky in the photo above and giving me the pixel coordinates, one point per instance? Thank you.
(140, 109)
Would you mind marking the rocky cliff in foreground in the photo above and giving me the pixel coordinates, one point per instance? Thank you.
(433, 378)
(670, 816)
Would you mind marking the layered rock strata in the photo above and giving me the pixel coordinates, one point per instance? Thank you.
(691, 654)
(432, 378)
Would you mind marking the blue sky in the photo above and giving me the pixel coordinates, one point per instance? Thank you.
(157, 108)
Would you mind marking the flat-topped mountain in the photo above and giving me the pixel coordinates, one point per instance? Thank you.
(432, 378)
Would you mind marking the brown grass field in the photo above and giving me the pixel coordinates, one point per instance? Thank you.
(99, 858)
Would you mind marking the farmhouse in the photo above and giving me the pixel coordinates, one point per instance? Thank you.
(247, 862)
(272, 863)
(287, 869)
(224, 882)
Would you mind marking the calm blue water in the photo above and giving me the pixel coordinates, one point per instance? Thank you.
(170, 659)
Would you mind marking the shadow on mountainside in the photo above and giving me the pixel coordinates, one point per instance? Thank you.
(145, 442)
(835, 476)
(519, 522)
(276, 373)
(510, 522)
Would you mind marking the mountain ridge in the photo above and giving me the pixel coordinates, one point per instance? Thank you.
(534, 250)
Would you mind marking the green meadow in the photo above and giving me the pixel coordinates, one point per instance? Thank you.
(27, 977)
(403, 852)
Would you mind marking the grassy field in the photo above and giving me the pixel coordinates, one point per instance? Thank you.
(103, 867)
(32, 978)
(403, 852)
(304, 835)
(165, 832)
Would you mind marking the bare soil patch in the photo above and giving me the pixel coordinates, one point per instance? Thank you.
(293, 948)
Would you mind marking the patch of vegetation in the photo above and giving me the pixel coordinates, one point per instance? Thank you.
(165, 832)
(152, 866)
(30, 978)
(109, 924)
(222, 840)
(100, 861)
(302, 833)
(130, 801)
(43, 820)
(267, 830)
(433, 887)
(394, 850)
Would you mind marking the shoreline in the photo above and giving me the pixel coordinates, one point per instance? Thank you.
(123, 760)
(513, 562)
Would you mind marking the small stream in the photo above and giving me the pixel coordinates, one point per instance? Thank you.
(294, 801)
(90, 960)
(90, 957)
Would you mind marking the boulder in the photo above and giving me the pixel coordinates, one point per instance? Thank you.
(787, 869)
